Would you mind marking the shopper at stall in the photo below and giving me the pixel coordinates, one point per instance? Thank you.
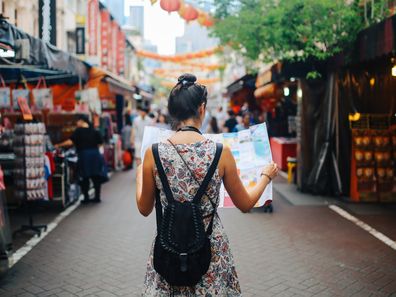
(90, 165)
(187, 157)
(140, 122)
(231, 122)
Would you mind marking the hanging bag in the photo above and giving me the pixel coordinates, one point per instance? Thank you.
(20, 93)
(182, 249)
(43, 98)
(5, 95)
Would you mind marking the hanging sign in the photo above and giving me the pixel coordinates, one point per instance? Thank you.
(80, 41)
(47, 21)
(93, 16)
(105, 37)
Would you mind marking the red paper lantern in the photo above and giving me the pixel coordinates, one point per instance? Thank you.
(170, 5)
(189, 13)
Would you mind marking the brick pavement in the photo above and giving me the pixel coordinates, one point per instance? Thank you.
(101, 250)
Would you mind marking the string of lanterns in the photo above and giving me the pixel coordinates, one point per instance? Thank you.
(179, 57)
(186, 11)
(203, 81)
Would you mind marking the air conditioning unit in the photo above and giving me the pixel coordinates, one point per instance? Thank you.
(22, 49)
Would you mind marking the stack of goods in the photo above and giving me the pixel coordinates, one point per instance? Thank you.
(373, 159)
(384, 166)
(363, 166)
(29, 148)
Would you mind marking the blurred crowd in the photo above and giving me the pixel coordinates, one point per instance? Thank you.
(217, 120)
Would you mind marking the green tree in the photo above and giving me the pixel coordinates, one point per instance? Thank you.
(271, 30)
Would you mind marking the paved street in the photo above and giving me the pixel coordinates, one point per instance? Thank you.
(101, 250)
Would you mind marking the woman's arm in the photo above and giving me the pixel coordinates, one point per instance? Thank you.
(66, 143)
(145, 184)
(243, 199)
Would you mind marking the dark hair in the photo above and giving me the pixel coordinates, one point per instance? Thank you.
(186, 98)
(231, 113)
(85, 119)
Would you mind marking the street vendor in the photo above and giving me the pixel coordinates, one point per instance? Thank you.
(91, 165)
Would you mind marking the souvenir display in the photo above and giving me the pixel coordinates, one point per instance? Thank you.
(29, 148)
(373, 161)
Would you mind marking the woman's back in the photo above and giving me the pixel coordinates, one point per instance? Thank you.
(221, 278)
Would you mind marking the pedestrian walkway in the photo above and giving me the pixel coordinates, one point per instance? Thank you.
(101, 250)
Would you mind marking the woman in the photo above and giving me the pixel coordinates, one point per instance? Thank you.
(187, 105)
(162, 122)
(90, 164)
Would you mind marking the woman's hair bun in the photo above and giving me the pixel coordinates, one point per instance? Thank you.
(187, 77)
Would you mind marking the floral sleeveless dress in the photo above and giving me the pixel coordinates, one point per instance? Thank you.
(221, 278)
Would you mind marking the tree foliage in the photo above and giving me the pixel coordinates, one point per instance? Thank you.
(270, 30)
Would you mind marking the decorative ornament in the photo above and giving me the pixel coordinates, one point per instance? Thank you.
(170, 5)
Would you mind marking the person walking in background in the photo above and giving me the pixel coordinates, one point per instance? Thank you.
(126, 134)
(140, 122)
(230, 124)
(213, 128)
(90, 165)
(187, 148)
(221, 116)
(246, 118)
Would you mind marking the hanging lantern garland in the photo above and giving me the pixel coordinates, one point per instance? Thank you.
(186, 11)
(170, 5)
(189, 13)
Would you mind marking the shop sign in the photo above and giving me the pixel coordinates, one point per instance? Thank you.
(113, 47)
(47, 21)
(93, 13)
(80, 41)
(24, 107)
(105, 37)
(121, 53)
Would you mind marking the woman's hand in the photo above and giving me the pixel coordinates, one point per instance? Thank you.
(271, 170)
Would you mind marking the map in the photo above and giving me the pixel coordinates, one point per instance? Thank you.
(250, 148)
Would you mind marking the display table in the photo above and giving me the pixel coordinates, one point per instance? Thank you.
(282, 148)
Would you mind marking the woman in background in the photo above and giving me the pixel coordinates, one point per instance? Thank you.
(90, 165)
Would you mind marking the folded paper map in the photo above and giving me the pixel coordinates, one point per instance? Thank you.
(250, 148)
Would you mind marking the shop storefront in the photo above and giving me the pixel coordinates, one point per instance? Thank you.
(38, 107)
(114, 94)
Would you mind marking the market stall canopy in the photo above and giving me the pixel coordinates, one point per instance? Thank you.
(377, 40)
(33, 58)
(109, 84)
(246, 81)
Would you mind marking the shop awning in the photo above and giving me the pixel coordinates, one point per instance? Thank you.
(377, 40)
(40, 55)
(109, 84)
(248, 81)
(31, 74)
(119, 87)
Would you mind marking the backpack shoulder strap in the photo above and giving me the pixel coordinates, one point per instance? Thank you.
(162, 175)
(202, 189)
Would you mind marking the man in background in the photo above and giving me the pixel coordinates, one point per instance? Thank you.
(139, 123)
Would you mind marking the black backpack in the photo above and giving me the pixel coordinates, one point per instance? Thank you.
(182, 250)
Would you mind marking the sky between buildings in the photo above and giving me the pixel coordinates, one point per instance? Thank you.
(159, 27)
